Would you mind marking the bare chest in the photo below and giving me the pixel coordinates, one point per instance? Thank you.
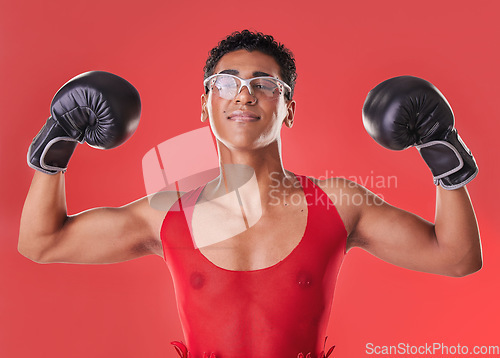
(245, 240)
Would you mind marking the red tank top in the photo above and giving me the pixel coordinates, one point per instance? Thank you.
(279, 311)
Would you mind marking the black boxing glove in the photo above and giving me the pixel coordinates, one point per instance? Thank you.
(96, 107)
(408, 111)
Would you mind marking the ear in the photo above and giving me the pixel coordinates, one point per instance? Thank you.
(204, 111)
(290, 114)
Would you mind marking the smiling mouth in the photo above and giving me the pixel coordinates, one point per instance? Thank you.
(240, 116)
(243, 119)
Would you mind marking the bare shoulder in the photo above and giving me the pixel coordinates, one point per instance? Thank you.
(153, 208)
(350, 199)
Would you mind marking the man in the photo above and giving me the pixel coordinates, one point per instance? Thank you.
(261, 285)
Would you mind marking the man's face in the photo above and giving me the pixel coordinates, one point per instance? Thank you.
(246, 121)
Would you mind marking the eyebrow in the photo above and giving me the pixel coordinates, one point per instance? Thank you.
(255, 74)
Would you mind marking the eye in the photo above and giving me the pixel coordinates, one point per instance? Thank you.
(265, 84)
(225, 82)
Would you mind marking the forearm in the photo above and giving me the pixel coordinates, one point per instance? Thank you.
(44, 214)
(457, 232)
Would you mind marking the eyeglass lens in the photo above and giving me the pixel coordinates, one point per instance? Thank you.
(260, 87)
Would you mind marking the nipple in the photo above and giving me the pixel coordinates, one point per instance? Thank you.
(197, 280)
(304, 279)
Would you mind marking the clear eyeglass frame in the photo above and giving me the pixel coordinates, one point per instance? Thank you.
(230, 94)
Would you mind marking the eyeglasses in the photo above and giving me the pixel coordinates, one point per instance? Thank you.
(229, 86)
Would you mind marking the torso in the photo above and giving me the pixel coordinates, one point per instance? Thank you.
(236, 304)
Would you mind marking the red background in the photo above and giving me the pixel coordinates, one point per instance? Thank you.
(343, 49)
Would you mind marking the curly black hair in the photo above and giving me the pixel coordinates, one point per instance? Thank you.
(255, 41)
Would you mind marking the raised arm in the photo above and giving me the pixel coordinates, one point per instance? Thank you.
(103, 110)
(449, 246)
(408, 111)
(97, 236)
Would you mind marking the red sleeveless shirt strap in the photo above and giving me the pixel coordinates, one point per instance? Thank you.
(177, 217)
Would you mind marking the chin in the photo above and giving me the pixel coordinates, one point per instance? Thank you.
(247, 144)
(243, 136)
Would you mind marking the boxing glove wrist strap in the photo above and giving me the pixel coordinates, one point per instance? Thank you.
(51, 149)
(451, 162)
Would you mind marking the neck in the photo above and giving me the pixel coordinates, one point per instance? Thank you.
(261, 169)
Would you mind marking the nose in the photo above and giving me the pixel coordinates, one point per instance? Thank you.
(244, 96)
